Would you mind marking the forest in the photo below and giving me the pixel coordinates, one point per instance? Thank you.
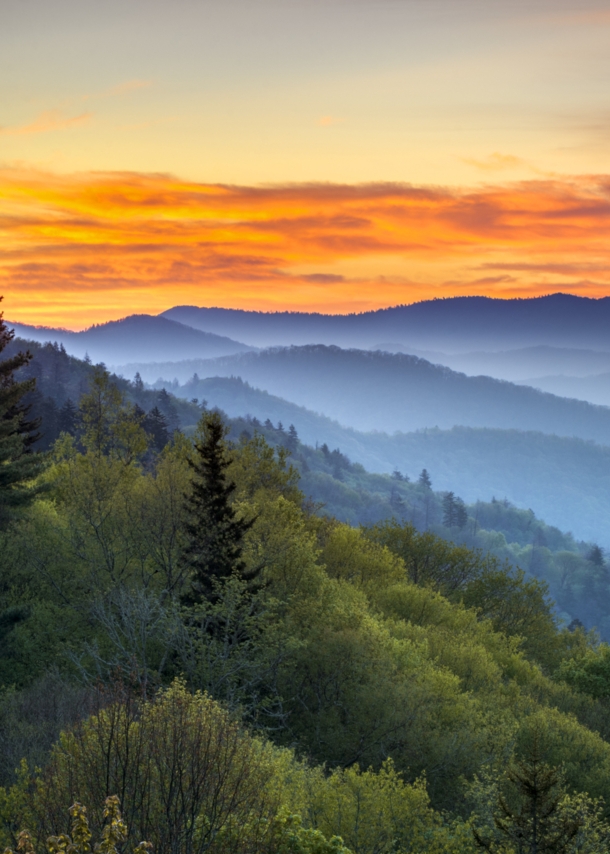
(246, 644)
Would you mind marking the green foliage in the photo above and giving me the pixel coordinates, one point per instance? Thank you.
(113, 835)
(423, 661)
(528, 811)
(589, 672)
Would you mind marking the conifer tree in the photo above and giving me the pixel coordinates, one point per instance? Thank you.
(155, 426)
(424, 479)
(449, 510)
(18, 463)
(534, 816)
(214, 530)
(67, 419)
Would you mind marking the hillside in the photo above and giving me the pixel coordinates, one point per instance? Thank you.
(564, 480)
(381, 391)
(517, 365)
(459, 324)
(595, 389)
(138, 337)
(571, 476)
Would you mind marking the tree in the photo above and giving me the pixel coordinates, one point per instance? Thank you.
(155, 426)
(424, 479)
(292, 439)
(449, 510)
(67, 418)
(215, 531)
(114, 833)
(18, 464)
(461, 514)
(167, 406)
(596, 556)
(535, 815)
(189, 778)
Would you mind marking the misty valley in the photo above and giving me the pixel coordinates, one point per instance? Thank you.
(308, 584)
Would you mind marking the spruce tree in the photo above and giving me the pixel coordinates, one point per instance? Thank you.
(155, 427)
(530, 816)
(214, 530)
(18, 432)
(449, 510)
(424, 479)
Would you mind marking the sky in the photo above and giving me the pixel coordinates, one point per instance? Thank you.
(329, 155)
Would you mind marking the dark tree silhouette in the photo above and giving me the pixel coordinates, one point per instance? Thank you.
(449, 510)
(424, 479)
(67, 418)
(215, 531)
(155, 427)
(18, 432)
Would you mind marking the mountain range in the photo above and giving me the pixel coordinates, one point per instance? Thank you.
(381, 391)
(564, 480)
(140, 336)
(456, 325)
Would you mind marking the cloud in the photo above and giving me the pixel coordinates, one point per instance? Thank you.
(124, 242)
(495, 162)
(49, 120)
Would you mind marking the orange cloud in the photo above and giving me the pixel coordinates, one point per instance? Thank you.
(49, 120)
(84, 248)
(496, 162)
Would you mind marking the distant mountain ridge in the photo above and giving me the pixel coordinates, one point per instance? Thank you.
(139, 336)
(565, 480)
(389, 392)
(454, 325)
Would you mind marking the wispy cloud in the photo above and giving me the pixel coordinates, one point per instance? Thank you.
(47, 121)
(124, 242)
(495, 162)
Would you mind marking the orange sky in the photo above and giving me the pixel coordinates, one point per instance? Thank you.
(91, 247)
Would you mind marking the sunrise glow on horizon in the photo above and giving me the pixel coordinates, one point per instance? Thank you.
(89, 248)
(325, 156)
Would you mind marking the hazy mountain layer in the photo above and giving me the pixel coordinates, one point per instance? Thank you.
(565, 481)
(381, 391)
(595, 389)
(140, 337)
(519, 365)
(460, 324)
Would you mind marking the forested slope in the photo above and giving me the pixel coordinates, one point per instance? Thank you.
(323, 650)
(564, 481)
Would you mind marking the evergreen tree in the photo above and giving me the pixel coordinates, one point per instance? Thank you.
(18, 463)
(67, 418)
(424, 479)
(138, 383)
(596, 556)
(461, 514)
(155, 426)
(531, 816)
(293, 438)
(214, 530)
(449, 510)
(166, 404)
